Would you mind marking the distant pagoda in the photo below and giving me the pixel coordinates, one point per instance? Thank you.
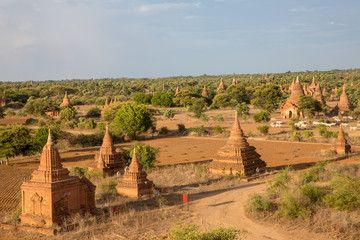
(51, 195)
(221, 85)
(233, 81)
(66, 101)
(205, 93)
(318, 95)
(108, 161)
(341, 145)
(237, 155)
(290, 108)
(344, 106)
(135, 182)
(177, 90)
(3, 100)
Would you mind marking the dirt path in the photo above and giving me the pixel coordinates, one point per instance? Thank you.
(227, 209)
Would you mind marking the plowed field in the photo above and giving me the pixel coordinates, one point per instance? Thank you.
(10, 181)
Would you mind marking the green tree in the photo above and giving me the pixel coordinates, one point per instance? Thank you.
(38, 107)
(183, 98)
(309, 106)
(198, 106)
(94, 112)
(145, 154)
(156, 99)
(67, 113)
(237, 94)
(133, 119)
(221, 100)
(109, 112)
(268, 97)
(142, 98)
(242, 109)
(16, 140)
(42, 133)
(262, 116)
(166, 99)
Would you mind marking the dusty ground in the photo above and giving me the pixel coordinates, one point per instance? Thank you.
(227, 209)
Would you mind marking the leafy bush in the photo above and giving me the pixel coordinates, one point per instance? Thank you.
(94, 112)
(169, 113)
(199, 130)
(345, 193)
(67, 113)
(21, 113)
(87, 140)
(88, 124)
(259, 203)
(109, 187)
(142, 98)
(77, 171)
(262, 116)
(296, 135)
(308, 133)
(181, 128)
(291, 208)
(93, 174)
(17, 213)
(313, 174)
(263, 129)
(204, 117)
(10, 112)
(312, 192)
(242, 109)
(164, 130)
(280, 183)
(198, 106)
(218, 117)
(218, 130)
(145, 154)
(31, 121)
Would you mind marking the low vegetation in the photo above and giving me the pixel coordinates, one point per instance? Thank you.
(318, 195)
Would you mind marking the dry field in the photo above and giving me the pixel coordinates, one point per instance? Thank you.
(11, 178)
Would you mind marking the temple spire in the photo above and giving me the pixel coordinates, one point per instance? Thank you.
(107, 140)
(49, 141)
(135, 165)
(205, 93)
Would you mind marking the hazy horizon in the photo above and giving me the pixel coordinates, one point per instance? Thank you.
(84, 39)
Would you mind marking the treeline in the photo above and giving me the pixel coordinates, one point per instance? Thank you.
(95, 91)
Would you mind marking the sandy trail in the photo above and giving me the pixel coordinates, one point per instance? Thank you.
(227, 209)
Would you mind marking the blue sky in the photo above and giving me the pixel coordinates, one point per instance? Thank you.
(66, 39)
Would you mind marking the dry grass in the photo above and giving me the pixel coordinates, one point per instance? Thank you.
(131, 224)
(181, 175)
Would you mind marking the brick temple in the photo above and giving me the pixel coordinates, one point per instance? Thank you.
(290, 108)
(205, 93)
(344, 106)
(3, 100)
(66, 101)
(51, 194)
(341, 145)
(107, 160)
(237, 155)
(135, 182)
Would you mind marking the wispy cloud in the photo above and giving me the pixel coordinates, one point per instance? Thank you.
(301, 9)
(151, 8)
